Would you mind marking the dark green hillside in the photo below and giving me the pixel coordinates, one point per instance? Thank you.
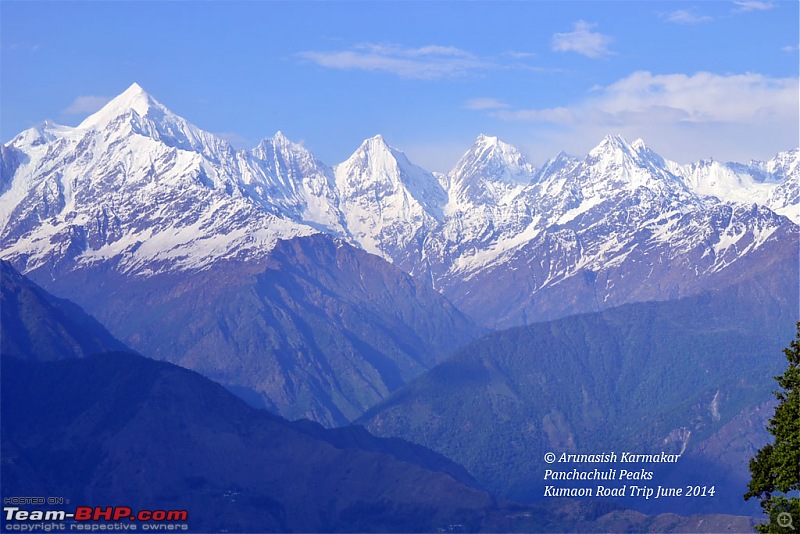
(36, 325)
(316, 329)
(124, 430)
(641, 378)
(119, 429)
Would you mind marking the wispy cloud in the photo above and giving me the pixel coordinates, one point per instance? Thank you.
(427, 62)
(485, 103)
(743, 6)
(516, 54)
(686, 16)
(720, 114)
(31, 48)
(235, 139)
(702, 97)
(583, 41)
(86, 104)
(790, 48)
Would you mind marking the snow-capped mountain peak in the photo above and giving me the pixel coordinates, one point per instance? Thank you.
(785, 164)
(489, 172)
(33, 136)
(140, 187)
(488, 151)
(134, 111)
(615, 151)
(385, 198)
(133, 98)
(615, 166)
(285, 174)
(375, 163)
(280, 138)
(774, 183)
(612, 149)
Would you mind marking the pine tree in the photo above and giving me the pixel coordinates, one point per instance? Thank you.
(776, 467)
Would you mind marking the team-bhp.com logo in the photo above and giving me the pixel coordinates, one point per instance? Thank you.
(151, 519)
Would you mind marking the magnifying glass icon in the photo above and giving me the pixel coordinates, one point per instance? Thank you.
(785, 520)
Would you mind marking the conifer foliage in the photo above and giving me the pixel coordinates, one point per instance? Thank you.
(776, 467)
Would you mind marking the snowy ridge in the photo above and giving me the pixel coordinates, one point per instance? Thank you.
(139, 185)
(774, 183)
(141, 189)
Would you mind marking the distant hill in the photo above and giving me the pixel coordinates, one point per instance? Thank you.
(36, 325)
(122, 429)
(690, 376)
(314, 329)
(119, 429)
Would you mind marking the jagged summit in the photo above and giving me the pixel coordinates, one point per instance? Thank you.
(487, 140)
(138, 183)
(494, 146)
(375, 153)
(612, 145)
(279, 141)
(374, 144)
(381, 159)
(487, 171)
(133, 98)
(634, 164)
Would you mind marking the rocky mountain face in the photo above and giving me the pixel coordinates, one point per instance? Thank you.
(150, 223)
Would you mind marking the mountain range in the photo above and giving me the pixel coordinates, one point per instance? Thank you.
(139, 187)
(318, 290)
(115, 427)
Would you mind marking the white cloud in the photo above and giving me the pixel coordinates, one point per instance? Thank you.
(521, 55)
(790, 48)
(427, 62)
(686, 16)
(21, 47)
(753, 5)
(485, 103)
(86, 104)
(702, 97)
(235, 139)
(727, 116)
(559, 115)
(583, 41)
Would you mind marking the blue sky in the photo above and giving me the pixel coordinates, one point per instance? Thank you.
(693, 79)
